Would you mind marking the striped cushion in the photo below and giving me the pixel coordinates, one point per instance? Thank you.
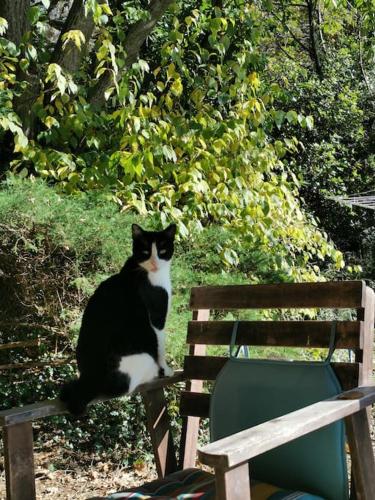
(197, 484)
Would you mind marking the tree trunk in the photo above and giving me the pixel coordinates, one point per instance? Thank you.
(14, 11)
(70, 58)
(136, 37)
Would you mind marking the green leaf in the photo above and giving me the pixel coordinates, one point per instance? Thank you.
(3, 25)
(177, 87)
(54, 74)
(33, 14)
(137, 123)
(50, 122)
(309, 122)
(31, 52)
(74, 36)
(24, 64)
(108, 93)
(292, 117)
(279, 118)
(20, 141)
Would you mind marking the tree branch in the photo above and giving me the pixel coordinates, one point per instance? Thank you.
(291, 33)
(136, 37)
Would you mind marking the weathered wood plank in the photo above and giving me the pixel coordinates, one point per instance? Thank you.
(247, 444)
(190, 424)
(276, 333)
(158, 424)
(233, 484)
(342, 294)
(208, 367)
(203, 367)
(362, 455)
(195, 404)
(19, 461)
(367, 337)
(55, 407)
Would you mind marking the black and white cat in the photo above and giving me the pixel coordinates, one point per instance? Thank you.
(122, 342)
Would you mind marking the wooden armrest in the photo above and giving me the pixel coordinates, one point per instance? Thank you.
(56, 407)
(242, 446)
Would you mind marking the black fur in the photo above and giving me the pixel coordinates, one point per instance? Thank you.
(116, 323)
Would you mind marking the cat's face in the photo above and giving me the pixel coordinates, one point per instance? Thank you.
(153, 250)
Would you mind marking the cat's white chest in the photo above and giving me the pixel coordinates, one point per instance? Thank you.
(162, 278)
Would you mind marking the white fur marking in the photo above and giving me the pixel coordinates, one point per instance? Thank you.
(160, 334)
(162, 276)
(140, 368)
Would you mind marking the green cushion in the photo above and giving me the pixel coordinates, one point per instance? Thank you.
(249, 392)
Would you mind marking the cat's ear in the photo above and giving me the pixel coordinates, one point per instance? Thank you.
(137, 231)
(170, 231)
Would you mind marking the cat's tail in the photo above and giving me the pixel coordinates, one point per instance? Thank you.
(76, 394)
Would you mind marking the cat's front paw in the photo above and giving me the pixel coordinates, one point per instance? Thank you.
(165, 371)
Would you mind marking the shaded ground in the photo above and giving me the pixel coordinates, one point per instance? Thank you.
(80, 483)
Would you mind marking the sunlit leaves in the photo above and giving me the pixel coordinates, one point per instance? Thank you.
(11, 122)
(189, 132)
(99, 9)
(55, 75)
(74, 36)
(3, 25)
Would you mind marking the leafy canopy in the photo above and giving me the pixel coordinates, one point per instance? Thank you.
(188, 131)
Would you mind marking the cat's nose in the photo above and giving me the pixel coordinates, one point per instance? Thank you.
(154, 266)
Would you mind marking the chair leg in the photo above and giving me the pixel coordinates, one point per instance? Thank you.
(363, 463)
(233, 484)
(19, 461)
(159, 428)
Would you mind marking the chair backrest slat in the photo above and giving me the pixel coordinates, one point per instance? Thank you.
(342, 294)
(276, 333)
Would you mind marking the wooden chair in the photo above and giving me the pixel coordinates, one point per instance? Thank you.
(229, 456)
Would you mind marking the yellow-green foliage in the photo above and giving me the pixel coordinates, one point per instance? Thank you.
(194, 145)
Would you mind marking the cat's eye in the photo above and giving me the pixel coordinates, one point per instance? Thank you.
(145, 252)
(162, 251)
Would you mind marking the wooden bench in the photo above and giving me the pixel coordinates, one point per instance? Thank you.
(229, 456)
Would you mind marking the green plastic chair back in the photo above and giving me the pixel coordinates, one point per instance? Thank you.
(248, 392)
